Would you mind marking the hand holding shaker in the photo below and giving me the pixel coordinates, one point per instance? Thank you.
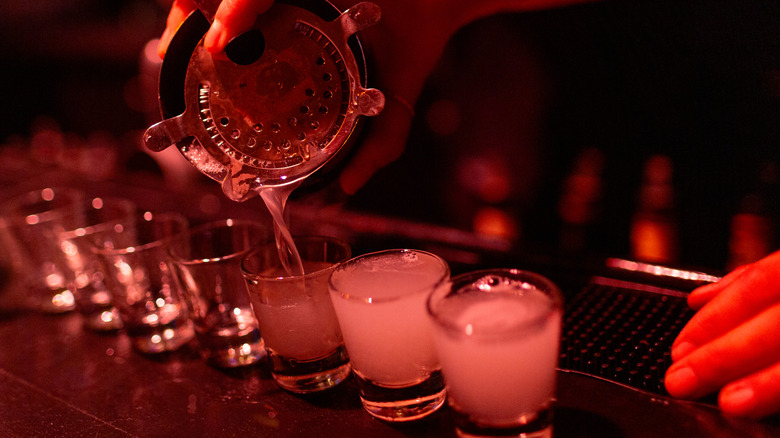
(286, 100)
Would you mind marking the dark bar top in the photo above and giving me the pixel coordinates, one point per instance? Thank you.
(59, 379)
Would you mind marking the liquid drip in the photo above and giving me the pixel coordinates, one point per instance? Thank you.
(275, 199)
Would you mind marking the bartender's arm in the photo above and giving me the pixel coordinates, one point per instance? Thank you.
(405, 46)
(732, 343)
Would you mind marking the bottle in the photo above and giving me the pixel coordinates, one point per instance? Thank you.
(654, 224)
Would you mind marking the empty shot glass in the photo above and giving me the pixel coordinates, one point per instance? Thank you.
(30, 222)
(11, 296)
(295, 313)
(143, 287)
(101, 218)
(498, 333)
(208, 265)
(380, 302)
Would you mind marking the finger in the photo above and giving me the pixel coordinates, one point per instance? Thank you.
(704, 294)
(385, 143)
(745, 350)
(755, 396)
(233, 17)
(180, 10)
(757, 288)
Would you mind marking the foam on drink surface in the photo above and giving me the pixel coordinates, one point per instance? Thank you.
(499, 311)
(390, 275)
(500, 364)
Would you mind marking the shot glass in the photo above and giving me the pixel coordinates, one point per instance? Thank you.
(295, 313)
(498, 333)
(380, 302)
(143, 287)
(30, 224)
(102, 217)
(208, 265)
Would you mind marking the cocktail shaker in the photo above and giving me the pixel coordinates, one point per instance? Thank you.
(285, 101)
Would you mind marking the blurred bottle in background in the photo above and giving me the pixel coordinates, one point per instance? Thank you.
(654, 223)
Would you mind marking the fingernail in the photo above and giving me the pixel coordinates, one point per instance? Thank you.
(681, 381)
(737, 398)
(682, 349)
(695, 293)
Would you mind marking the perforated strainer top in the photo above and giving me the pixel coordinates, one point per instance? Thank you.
(279, 108)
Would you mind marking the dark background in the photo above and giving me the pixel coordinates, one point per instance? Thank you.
(515, 102)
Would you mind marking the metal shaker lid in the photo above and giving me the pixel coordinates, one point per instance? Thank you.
(285, 101)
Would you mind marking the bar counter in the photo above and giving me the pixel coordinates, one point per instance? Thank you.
(59, 379)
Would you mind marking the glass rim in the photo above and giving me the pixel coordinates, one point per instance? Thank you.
(251, 274)
(547, 286)
(435, 285)
(218, 224)
(147, 245)
(9, 208)
(93, 228)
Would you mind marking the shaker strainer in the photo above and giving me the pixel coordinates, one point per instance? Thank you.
(285, 101)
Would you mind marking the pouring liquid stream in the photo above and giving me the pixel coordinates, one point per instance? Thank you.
(275, 199)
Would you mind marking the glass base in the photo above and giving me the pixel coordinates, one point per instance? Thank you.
(538, 426)
(102, 321)
(161, 338)
(232, 351)
(305, 377)
(403, 404)
(306, 384)
(97, 312)
(56, 301)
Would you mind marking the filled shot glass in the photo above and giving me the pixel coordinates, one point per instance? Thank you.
(208, 265)
(380, 302)
(143, 286)
(295, 314)
(102, 216)
(497, 333)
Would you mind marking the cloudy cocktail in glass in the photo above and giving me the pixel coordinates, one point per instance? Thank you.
(380, 302)
(295, 314)
(497, 334)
